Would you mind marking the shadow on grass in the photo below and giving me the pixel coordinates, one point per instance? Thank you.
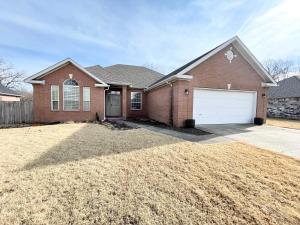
(94, 140)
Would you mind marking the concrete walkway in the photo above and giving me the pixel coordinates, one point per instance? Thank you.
(283, 140)
(205, 139)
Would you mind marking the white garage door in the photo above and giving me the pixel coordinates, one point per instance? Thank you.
(221, 106)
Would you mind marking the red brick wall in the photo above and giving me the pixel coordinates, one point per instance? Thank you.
(42, 97)
(158, 103)
(216, 72)
(136, 113)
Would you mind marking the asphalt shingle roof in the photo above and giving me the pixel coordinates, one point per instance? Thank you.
(102, 74)
(6, 91)
(286, 88)
(137, 76)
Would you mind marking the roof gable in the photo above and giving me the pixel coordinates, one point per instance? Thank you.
(286, 88)
(239, 45)
(34, 78)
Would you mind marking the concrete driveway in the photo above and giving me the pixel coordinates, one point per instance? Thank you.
(283, 140)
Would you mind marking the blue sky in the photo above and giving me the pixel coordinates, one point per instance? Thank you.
(161, 34)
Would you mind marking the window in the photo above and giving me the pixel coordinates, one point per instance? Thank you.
(71, 95)
(54, 97)
(136, 100)
(86, 99)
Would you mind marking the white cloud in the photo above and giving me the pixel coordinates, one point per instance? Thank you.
(274, 33)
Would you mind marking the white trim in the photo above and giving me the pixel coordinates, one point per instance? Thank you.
(169, 79)
(101, 85)
(59, 65)
(184, 77)
(51, 108)
(141, 100)
(36, 82)
(268, 85)
(263, 70)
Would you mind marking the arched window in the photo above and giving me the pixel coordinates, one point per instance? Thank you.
(71, 95)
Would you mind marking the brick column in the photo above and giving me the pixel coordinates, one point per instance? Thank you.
(124, 102)
(181, 105)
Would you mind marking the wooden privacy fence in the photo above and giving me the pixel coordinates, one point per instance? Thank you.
(16, 112)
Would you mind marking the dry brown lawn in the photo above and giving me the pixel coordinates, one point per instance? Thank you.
(89, 174)
(294, 124)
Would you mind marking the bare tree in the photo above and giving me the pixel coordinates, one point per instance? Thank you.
(26, 94)
(152, 66)
(278, 68)
(9, 76)
(297, 66)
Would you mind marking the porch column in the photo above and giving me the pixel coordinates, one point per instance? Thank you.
(124, 102)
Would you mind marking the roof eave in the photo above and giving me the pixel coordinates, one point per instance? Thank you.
(263, 84)
(170, 79)
(101, 85)
(261, 70)
(7, 94)
(58, 65)
(249, 56)
(35, 81)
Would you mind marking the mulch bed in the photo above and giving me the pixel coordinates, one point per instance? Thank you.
(116, 125)
(194, 131)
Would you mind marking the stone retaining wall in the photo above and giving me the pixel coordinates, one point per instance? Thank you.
(288, 108)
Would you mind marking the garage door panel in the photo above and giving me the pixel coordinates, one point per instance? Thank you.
(221, 106)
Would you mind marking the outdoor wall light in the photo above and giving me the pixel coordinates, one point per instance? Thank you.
(186, 91)
(263, 94)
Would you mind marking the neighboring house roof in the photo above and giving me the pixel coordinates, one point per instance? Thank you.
(135, 76)
(34, 79)
(6, 91)
(286, 88)
(238, 44)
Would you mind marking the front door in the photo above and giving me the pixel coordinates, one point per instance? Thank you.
(113, 104)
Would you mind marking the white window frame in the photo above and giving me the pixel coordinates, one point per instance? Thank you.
(51, 89)
(83, 99)
(136, 92)
(70, 110)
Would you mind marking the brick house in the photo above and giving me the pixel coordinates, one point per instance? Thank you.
(225, 85)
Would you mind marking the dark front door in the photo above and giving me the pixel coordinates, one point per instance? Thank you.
(113, 104)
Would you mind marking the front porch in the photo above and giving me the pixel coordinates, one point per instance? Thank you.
(116, 102)
(123, 101)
